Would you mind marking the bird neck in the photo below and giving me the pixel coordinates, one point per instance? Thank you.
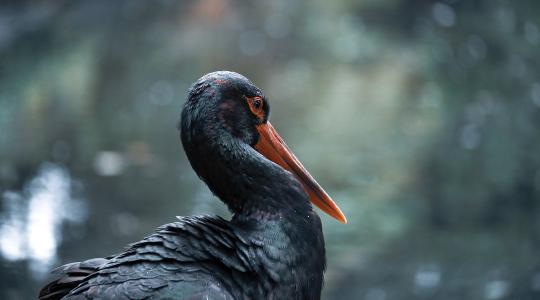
(248, 183)
(270, 209)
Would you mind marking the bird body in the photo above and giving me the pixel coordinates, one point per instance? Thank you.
(204, 258)
(272, 248)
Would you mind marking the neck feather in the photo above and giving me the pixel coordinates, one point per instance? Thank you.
(270, 209)
(250, 184)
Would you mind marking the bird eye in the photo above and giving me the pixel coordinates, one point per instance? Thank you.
(255, 105)
(257, 102)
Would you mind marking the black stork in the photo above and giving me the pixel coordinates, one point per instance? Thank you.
(272, 248)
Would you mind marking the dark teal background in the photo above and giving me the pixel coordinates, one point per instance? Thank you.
(420, 118)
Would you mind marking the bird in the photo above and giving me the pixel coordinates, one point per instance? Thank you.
(271, 248)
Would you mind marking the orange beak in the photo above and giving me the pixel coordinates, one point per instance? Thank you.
(272, 146)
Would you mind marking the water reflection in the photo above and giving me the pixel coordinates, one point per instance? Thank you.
(427, 277)
(109, 163)
(496, 289)
(31, 220)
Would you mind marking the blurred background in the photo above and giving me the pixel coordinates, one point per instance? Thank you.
(421, 119)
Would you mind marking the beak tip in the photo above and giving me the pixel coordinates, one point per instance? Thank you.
(342, 219)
